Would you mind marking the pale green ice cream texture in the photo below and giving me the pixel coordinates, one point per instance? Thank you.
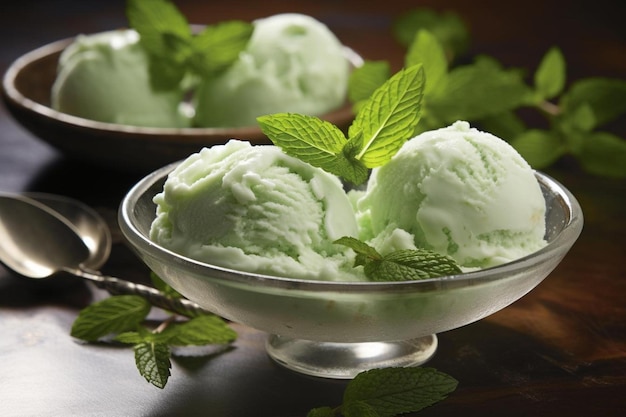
(458, 191)
(105, 77)
(256, 209)
(293, 63)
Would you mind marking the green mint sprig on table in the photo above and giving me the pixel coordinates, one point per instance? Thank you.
(175, 50)
(124, 317)
(386, 120)
(400, 265)
(389, 392)
(492, 97)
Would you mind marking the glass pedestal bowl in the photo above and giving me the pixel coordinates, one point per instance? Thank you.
(338, 329)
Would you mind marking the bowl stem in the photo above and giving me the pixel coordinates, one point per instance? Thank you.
(345, 360)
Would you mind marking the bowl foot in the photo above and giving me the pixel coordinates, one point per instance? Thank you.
(346, 360)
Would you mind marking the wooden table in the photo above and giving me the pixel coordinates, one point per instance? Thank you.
(559, 351)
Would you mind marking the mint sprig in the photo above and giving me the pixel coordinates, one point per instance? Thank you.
(385, 121)
(390, 392)
(175, 51)
(498, 99)
(400, 265)
(125, 318)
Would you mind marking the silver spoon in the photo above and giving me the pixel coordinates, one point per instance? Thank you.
(37, 241)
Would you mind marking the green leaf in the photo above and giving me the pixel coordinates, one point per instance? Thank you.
(411, 264)
(605, 96)
(604, 154)
(540, 148)
(133, 338)
(483, 89)
(393, 391)
(506, 125)
(218, 46)
(447, 27)
(550, 75)
(389, 116)
(359, 409)
(365, 252)
(158, 23)
(153, 362)
(198, 331)
(112, 315)
(365, 79)
(427, 50)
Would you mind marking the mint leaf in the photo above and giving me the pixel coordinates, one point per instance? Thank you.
(540, 148)
(550, 75)
(359, 409)
(159, 24)
(407, 265)
(198, 331)
(604, 154)
(605, 96)
(365, 253)
(111, 315)
(364, 80)
(427, 50)
(447, 27)
(218, 46)
(389, 116)
(476, 91)
(393, 391)
(400, 265)
(153, 362)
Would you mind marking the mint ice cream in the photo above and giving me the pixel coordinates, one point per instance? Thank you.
(105, 77)
(256, 209)
(293, 63)
(457, 191)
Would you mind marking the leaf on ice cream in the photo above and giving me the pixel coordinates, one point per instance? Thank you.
(400, 265)
(387, 119)
(389, 116)
(315, 141)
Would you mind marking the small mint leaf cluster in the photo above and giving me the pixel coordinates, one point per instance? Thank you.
(400, 265)
(488, 95)
(389, 392)
(175, 51)
(122, 318)
(385, 121)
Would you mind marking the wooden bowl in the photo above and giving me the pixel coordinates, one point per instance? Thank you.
(26, 89)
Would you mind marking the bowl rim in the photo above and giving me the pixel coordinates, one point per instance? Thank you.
(12, 93)
(559, 245)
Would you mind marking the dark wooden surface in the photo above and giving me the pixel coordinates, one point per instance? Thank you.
(559, 351)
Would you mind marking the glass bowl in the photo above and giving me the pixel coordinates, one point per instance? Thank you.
(26, 91)
(338, 329)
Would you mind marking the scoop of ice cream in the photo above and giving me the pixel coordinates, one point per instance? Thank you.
(256, 209)
(460, 192)
(105, 77)
(293, 63)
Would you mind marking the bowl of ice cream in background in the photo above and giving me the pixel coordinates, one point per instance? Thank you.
(91, 96)
(250, 233)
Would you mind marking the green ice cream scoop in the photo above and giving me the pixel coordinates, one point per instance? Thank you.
(105, 77)
(293, 63)
(256, 209)
(460, 192)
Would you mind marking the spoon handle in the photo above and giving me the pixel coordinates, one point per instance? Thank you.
(157, 298)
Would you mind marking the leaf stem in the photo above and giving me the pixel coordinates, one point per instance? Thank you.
(171, 319)
(550, 108)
